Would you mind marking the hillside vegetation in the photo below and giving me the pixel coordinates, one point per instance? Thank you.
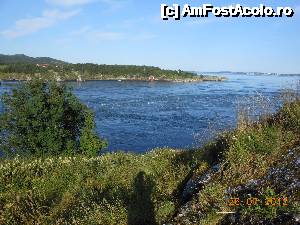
(21, 58)
(257, 160)
(21, 67)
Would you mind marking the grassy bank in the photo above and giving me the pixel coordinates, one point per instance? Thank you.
(258, 161)
(124, 188)
(115, 188)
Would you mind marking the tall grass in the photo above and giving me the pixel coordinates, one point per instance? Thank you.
(117, 188)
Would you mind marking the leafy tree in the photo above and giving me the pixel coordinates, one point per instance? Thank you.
(42, 118)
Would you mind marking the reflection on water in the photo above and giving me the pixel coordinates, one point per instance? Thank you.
(139, 116)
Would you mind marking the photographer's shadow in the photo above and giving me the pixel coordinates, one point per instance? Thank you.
(141, 209)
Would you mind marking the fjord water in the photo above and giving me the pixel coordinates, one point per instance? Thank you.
(139, 116)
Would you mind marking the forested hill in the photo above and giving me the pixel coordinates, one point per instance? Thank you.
(22, 67)
(21, 58)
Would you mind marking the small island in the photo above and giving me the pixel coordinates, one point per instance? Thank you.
(22, 67)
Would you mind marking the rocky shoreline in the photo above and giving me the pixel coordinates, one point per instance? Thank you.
(120, 79)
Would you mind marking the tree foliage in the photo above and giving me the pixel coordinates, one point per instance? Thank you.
(45, 118)
(90, 71)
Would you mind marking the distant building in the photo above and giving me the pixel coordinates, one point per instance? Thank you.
(42, 65)
(151, 78)
(79, 78)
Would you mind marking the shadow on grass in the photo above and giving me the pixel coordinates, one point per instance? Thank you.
(141, 209)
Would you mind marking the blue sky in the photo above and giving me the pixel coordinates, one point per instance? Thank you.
(131, 32)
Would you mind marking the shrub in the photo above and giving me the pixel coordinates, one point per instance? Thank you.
(42, 118)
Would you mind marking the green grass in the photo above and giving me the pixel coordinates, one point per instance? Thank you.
(110, 189)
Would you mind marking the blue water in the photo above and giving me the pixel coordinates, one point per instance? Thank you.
(139, 116)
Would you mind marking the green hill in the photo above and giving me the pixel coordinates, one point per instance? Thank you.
(22, 67)
(21, 58)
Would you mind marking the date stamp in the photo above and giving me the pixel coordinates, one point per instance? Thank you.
(253, 201)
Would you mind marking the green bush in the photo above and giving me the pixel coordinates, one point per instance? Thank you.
(289, 115)
(42, 118)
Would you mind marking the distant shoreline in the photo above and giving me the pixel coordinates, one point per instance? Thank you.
(123, 79)
(22, 68)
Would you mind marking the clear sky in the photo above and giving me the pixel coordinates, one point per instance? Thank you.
(131, 32)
